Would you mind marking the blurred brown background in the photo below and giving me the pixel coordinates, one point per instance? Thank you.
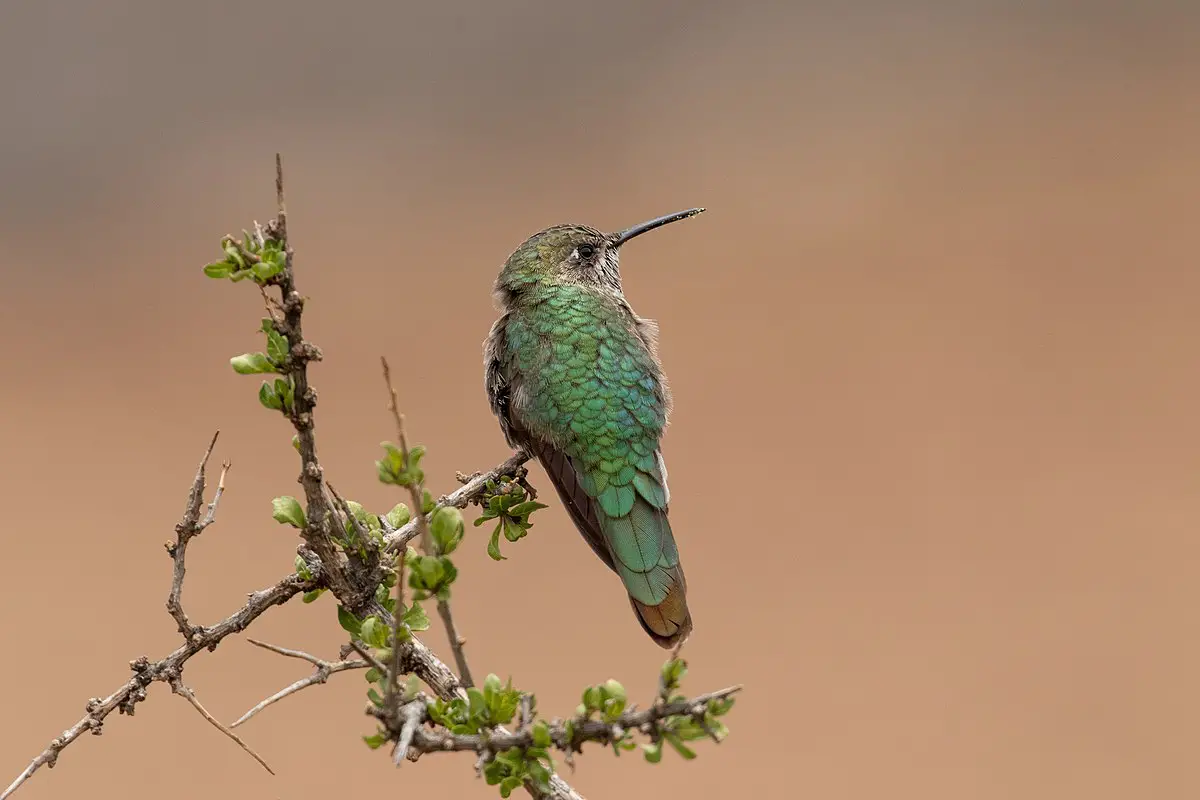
(937, 334)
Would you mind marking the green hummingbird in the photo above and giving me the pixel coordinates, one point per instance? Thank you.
(573, 375)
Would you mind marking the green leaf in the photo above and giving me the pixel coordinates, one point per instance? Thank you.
(720, 706)
(265, 270)
(269, 398)
(680, 747)
(673, 672)
(219, 269)
(446, 526)
(277, 346)
(415, 618)
(251, 364)
(348, 621)
(287, 510)
(313, 595)
(614, 690)
(231, 250)
(375, 697)
(541, 734)
(399, 516)
(302, 568)
(476, 704)
(427, 501)
(493, 548)
(377, 740)
(523, 509)
(512, 531)
(491, 687)
(296, 442)
(373, 675)
(653, 752)
(541, 776)
(374, 632)
(283, 388)
(508, 784)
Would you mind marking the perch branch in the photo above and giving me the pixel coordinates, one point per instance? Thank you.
(461, 497)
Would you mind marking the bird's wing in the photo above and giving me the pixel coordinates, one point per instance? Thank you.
(496, 382)
(582, 508)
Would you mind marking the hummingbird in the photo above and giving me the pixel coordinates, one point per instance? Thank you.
(572, 374)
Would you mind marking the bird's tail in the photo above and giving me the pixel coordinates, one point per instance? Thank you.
(670, 622)
(647, 561)
(627, 527)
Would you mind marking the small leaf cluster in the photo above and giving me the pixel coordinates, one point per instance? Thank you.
(681, 728)
(363, 521)
(277, 395)
(497, 704)
(304, 572)
(377, 634)
(517, 766)
(431, 574)
(508, 503)
(607, 700)
(259, 259)
(484, 708)
(395, 469)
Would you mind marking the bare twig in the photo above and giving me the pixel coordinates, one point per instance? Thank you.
(456, 642)
(361, 649)
(416, 489)
(191, 525)
(181, 689)
(133, 691)
(211, 516)
(412, 714)
(323, 670)
(284, 651)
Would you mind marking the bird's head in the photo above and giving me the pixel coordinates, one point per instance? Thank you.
(574, 254)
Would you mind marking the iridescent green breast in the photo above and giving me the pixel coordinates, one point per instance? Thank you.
(590, 386)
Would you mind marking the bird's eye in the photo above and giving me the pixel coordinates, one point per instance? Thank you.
(586, 251)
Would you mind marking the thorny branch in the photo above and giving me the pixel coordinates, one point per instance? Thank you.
(351, 578)
(324, 669)
(190, 526)
(181, 689)
(424, 740)
(133, 691)
(417, 490)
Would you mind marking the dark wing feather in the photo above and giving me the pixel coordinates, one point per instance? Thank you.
(498, 390)
(581, 507)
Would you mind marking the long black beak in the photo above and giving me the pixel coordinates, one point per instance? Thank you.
(624, 236)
